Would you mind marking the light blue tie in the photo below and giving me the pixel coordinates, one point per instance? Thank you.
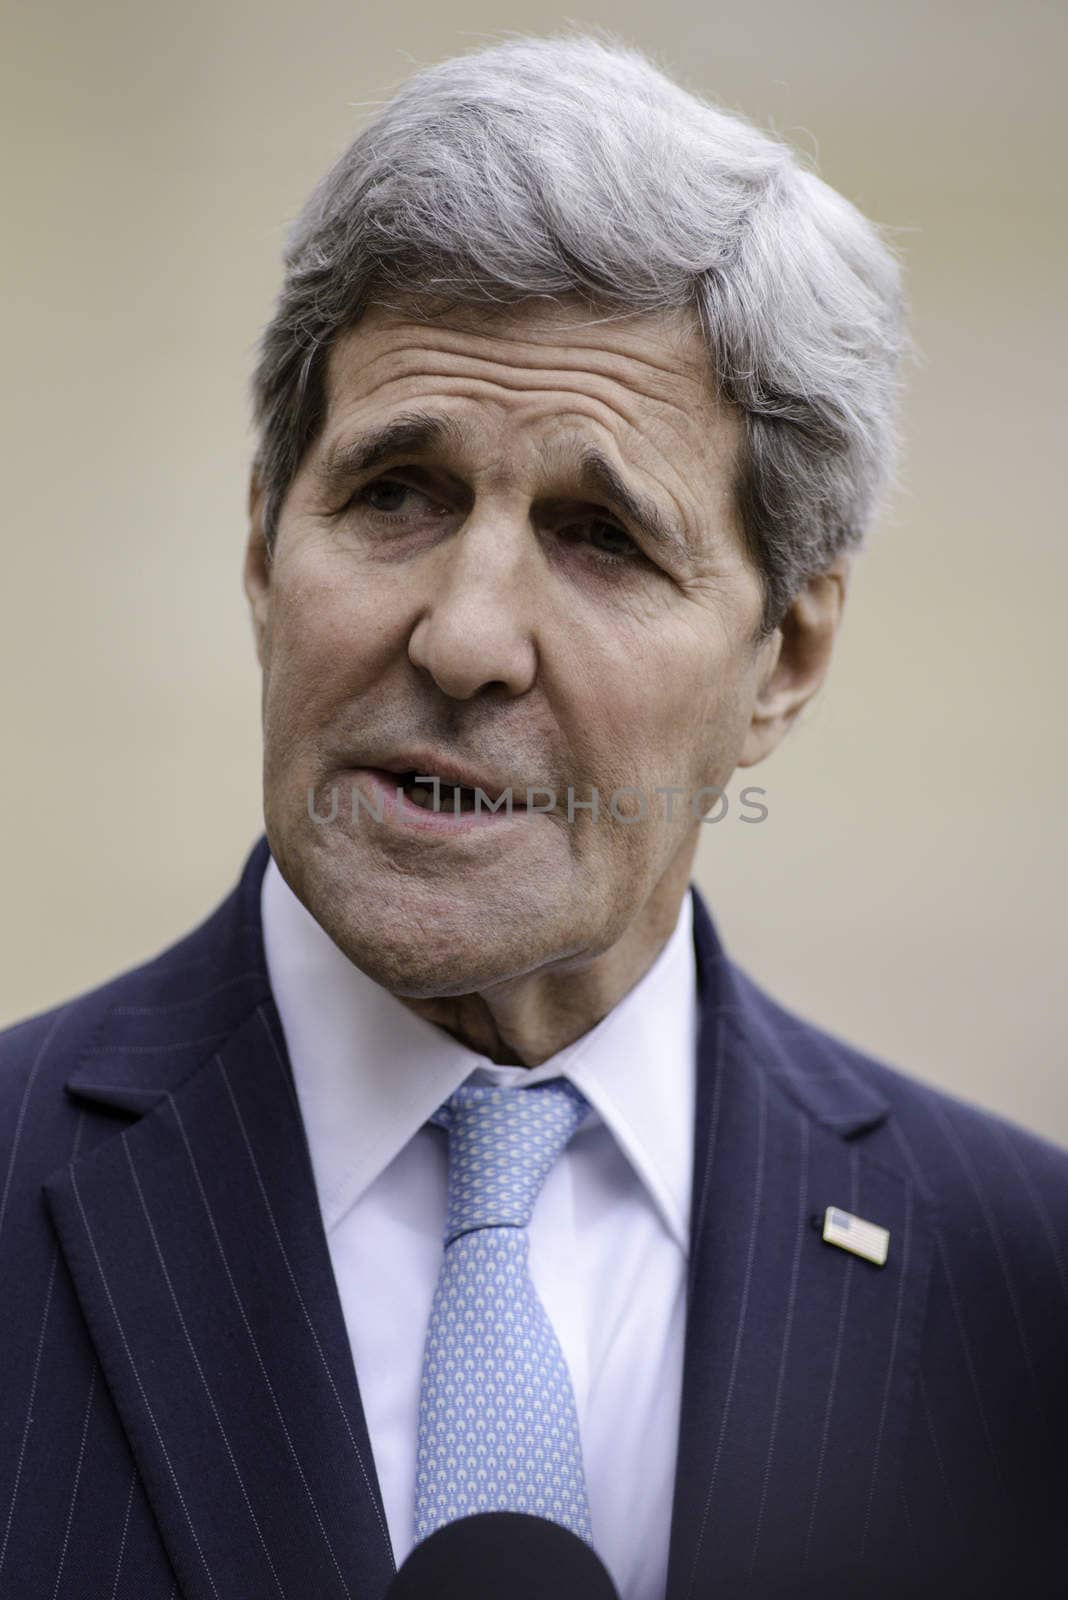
(498, 1429)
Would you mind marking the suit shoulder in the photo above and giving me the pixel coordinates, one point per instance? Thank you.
(965, 1156)
(1000, 1189)
(226, 945)
(28, 1048)
(71, 1021)
(38, 1052)
(967, 1125)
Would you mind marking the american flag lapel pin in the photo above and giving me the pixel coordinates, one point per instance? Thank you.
(865, 1239)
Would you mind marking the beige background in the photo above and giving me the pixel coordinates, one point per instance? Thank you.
(906, 890)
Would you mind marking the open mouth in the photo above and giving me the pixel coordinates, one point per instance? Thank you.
(454, 797)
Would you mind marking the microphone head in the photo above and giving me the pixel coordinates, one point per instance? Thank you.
(502, 1555)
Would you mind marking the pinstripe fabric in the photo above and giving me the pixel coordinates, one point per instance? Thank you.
(181, 1418)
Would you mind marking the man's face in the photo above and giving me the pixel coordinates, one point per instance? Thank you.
(478, 596)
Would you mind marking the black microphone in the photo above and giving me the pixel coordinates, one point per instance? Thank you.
(502, 1555)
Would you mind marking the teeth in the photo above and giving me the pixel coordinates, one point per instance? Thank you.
(422, 794)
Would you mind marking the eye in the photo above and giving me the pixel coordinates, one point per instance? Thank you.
(610, 544)
(388, 496)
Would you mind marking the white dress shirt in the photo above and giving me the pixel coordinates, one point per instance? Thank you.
(609, 1235)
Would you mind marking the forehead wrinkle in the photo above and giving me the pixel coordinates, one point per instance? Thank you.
(606, 410)
(419, 361)
(703, 462)
(678, 335)
(421, 430)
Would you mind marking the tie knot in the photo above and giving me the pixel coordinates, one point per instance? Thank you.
(502, 1145)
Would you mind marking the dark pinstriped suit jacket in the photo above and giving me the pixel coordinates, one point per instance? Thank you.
(181, 1416)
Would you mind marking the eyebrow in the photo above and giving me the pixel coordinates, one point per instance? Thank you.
(418, 432)
(411, 433)
(599, 477)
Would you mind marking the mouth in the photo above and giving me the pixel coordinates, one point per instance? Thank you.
(442, 806)
(441, 795)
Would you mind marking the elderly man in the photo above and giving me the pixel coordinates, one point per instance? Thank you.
(450, 1165)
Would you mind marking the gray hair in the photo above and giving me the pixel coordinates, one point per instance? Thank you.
(573, 165)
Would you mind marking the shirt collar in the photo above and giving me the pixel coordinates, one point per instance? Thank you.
(369, 1072)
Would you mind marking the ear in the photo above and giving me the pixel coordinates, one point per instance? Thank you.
(795, 660)
(257, 567)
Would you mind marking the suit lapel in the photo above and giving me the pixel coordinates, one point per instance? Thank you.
(195, 1243)
(799, 1356)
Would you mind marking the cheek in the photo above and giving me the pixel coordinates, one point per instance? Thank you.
(718, 730)
(659, 716)
(705, 728)
(332, 635)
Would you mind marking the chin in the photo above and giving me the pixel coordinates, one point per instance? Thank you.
(417, 962)
(436, 933)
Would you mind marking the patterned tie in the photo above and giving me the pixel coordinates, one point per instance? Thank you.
(498, 1429)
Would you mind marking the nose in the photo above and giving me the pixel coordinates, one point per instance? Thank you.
(476, 628)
